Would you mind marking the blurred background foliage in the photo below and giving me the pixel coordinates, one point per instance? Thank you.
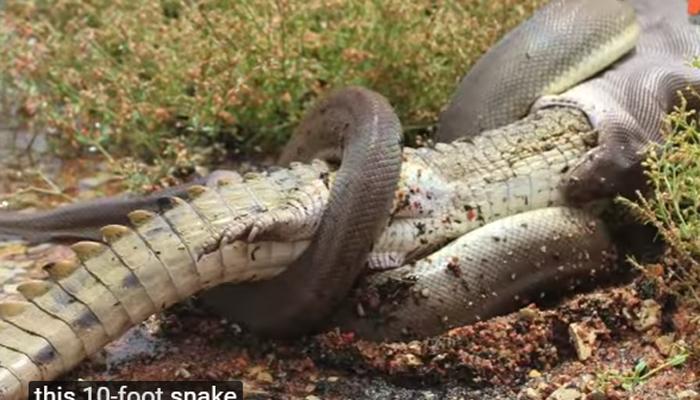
(131, 77)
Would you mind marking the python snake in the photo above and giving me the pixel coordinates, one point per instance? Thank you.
(564, 43)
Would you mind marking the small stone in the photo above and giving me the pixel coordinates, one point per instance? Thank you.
(412, 360)
(360, 310)
(566, 393)
(586, 379)
(309, 388)
(264, 376)
(664, 343)
(648, 315)
(597, 395)
(415, 347)
(534, 373)
(531, 394)
(528, 313)
(94, 182)
(312, 397)
(688, 395)
(182, 372)
(332, 379)
(583, 338)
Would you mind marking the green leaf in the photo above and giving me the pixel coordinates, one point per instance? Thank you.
(640, 368)
(678, 359)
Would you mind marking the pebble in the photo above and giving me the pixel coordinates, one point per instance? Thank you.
(583, 338)
(265, 377)
(688, 395)
(415, 347)
(534, 373)
(664, 343)
(531, 394)
(597, 396)
(412, 360)
(528, 313)
(183, 373)
(566, 393)
(95, 182)
(648, 315)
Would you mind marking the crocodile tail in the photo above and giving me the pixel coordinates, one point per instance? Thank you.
(136, 270)
(79, 221)
(95, 297)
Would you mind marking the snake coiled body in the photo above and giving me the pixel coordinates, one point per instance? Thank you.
(564, 43)
(362, 126)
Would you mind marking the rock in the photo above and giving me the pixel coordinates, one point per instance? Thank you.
(264, 376)
(530, 394)
(310, 388)
(415, 347)
(534, 373)
(597, 395)
(664, 343)
(583, 338)
(566, 393)
(647, 316)
(528, 313)
(411, 360)
(182, 372)
(688, 395)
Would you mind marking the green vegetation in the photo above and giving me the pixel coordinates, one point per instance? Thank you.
(127, 76)
(673, 205)
(641, 372)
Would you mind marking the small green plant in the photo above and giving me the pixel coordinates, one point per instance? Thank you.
(641, 371)
(673, 203)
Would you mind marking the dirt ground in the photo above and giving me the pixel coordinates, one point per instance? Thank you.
(587, 347)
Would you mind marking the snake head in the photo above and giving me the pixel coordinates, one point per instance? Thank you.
(604, 174)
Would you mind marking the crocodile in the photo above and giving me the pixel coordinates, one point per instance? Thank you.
(165, 257)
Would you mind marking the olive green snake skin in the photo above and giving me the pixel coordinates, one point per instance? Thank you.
(290, 243)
